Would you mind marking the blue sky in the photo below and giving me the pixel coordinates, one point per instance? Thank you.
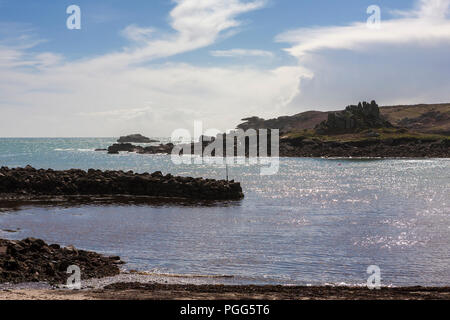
(103, 21)
(154, 66)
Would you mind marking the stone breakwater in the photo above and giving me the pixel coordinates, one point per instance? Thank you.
(29, 181)
(32, 260)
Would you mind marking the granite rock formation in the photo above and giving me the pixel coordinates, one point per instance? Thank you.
(354, 118)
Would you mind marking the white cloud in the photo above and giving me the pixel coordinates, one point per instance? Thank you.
(196, 24)
(417, 28)
(433, 9)
(114, 94)
(120, 114)
(354, 62)
(13, 57)
(233, 53)
(110, 94)
(138, 34)
(96, 103)
(426, 9)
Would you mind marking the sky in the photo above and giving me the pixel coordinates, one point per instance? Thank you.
(156, 66)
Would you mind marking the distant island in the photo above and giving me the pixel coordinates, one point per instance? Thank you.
(135, 138)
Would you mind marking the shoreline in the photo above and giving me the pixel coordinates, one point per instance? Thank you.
(398, 147)
(157, 291)
(141, 286)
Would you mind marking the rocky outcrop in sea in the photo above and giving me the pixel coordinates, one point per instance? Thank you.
(128, 147)
(135, 138)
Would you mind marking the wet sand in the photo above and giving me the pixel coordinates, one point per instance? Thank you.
(154, 291)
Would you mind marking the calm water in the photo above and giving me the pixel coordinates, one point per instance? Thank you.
(317, 221)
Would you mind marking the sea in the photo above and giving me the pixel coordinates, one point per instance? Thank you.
(315, 222)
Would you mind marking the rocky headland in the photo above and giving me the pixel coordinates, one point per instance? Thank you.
(422, 118)
(32, 260)
(32, 183)
(362, 130)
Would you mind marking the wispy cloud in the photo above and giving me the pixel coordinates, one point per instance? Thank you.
(433, 9)
(138, 34)
(425, 9)
(237, 53)
(13, 54)
(426, 24)
(120, 114)
(195, 23)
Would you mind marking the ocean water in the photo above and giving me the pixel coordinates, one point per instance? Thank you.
(317, 221)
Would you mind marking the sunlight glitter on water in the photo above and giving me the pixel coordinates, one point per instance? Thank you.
(317, 221)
